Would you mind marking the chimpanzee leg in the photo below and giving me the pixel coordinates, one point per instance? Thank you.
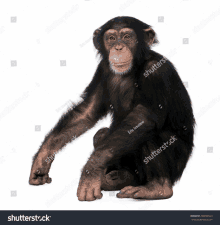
(163, 159)
(116, 176)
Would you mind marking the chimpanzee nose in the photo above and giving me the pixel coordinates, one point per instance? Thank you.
(118, 47)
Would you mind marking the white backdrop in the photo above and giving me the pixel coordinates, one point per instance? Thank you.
(47, 58)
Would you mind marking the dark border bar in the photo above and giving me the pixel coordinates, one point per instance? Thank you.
(111, 217)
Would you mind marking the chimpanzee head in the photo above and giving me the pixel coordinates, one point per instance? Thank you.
(124, 42)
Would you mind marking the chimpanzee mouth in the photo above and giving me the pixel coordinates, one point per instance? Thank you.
(121, 68)
(121, 64)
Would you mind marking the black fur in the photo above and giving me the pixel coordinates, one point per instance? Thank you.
(159, 99)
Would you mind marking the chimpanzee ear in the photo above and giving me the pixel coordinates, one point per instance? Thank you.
(95, 38)
(150, 36)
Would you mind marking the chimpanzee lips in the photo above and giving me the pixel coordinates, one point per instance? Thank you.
(121, 63)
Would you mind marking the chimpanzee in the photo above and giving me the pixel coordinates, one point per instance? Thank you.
(147, 146)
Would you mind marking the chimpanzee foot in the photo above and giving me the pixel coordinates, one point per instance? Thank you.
(152, 191)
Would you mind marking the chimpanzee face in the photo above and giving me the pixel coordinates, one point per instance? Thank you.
(117, 43)
(120, 42)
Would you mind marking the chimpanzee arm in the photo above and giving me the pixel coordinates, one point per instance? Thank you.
(80, 118)
(74, 123)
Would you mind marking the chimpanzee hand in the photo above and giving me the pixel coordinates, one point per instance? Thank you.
(38, 177)
(39, 172)
(89, 188)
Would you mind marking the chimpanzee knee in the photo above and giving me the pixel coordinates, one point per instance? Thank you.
(100, 135)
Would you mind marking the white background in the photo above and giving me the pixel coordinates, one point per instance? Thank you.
(38, 91)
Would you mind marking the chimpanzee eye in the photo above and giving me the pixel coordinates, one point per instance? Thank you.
(112, 38)
(127, 37)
